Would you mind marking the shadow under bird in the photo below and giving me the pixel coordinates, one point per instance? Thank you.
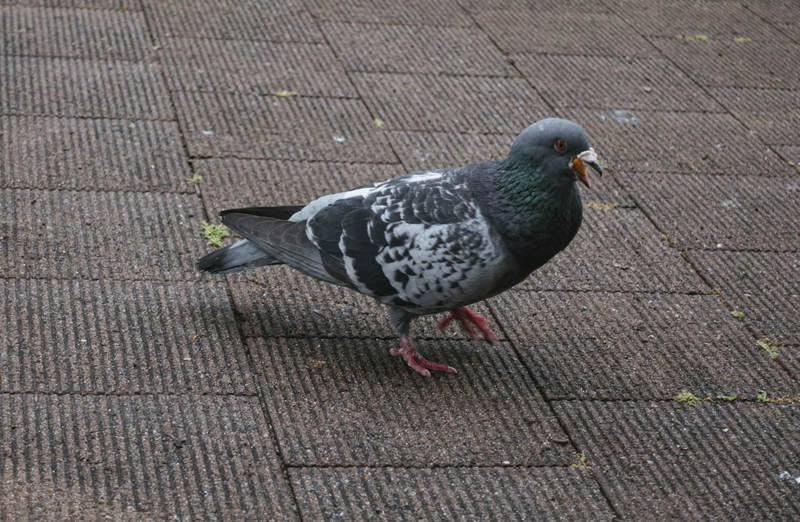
(433, 241)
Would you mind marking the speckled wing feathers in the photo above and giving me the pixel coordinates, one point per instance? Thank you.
(411, 244)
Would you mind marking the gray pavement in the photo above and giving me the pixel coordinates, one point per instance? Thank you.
(650, 372)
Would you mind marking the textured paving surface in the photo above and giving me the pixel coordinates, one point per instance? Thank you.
(651, 371)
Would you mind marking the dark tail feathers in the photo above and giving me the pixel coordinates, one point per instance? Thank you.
(239, 256)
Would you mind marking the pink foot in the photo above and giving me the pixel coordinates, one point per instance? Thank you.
(419, 363)
(468, 319)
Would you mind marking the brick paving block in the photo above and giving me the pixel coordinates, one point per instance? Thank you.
(416, 49)
(448, 494)
(792, 31)
(776, 11)
(127, 5)
(84, 336)
(771, 113)
(84, 88)
(672, 461)
(114, 235)
(274, 127)
(632, 346)
(762, 285)
(337, 402)
(412, 12)
(286, 20)
(565, 31)
(729, 212)
(613, 83)
(281, 302)
(558, 6)
(726, 63)
(159, 457)
(86, 154)
(254, 67)
(685, 142)
(75, 33)
(791, 154)
(20, 500)
(719, 20)
(424, 150)
(455, 104)
(235, 183)
(617, 250)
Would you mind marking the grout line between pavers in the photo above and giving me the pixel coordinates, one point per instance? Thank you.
(429, 466)
(67, 116)
(101, 393)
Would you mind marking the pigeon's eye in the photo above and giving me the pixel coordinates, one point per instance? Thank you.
(560, 145)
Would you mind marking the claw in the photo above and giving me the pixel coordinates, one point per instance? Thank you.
(467, 318)
(417, 362)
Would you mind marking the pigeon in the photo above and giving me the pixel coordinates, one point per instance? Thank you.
(431, 241)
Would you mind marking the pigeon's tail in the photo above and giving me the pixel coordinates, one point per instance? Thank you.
(239, 256)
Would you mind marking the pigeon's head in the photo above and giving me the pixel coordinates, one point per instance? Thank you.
(556, 148)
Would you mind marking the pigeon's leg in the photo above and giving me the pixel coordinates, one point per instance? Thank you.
(400, 321)
(467, 318)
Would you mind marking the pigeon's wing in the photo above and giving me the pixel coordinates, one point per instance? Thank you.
(418, 241)
(284, 240)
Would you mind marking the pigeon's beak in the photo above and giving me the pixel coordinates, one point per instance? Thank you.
(578, 164)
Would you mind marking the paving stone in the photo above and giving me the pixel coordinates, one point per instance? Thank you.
(616, 250)
(729, 212)
(729, 64)
(83, 88)
(84, 336)
(286, 21)
(558, 6)
(274, 127)
(416, 49)
(72, 153)
(771, 113)
(719, 20)
(791, 154)
(632, 346)
(447, 103)
(235, 183)
(416, 12)
(710, 461)
(449, 494)
(613, 83)
(75, 33)
(777, 11)
(91, 4)
(421, 150)
(113, 235)
(281, 302)
(643, 142)
(762, 285)
(576, 31)
(161, 457)
(380, 413)
(254, 67)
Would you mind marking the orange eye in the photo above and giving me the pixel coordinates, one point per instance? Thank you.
(560, 145)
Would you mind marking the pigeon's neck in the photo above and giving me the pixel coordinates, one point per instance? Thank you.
(537, 214)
